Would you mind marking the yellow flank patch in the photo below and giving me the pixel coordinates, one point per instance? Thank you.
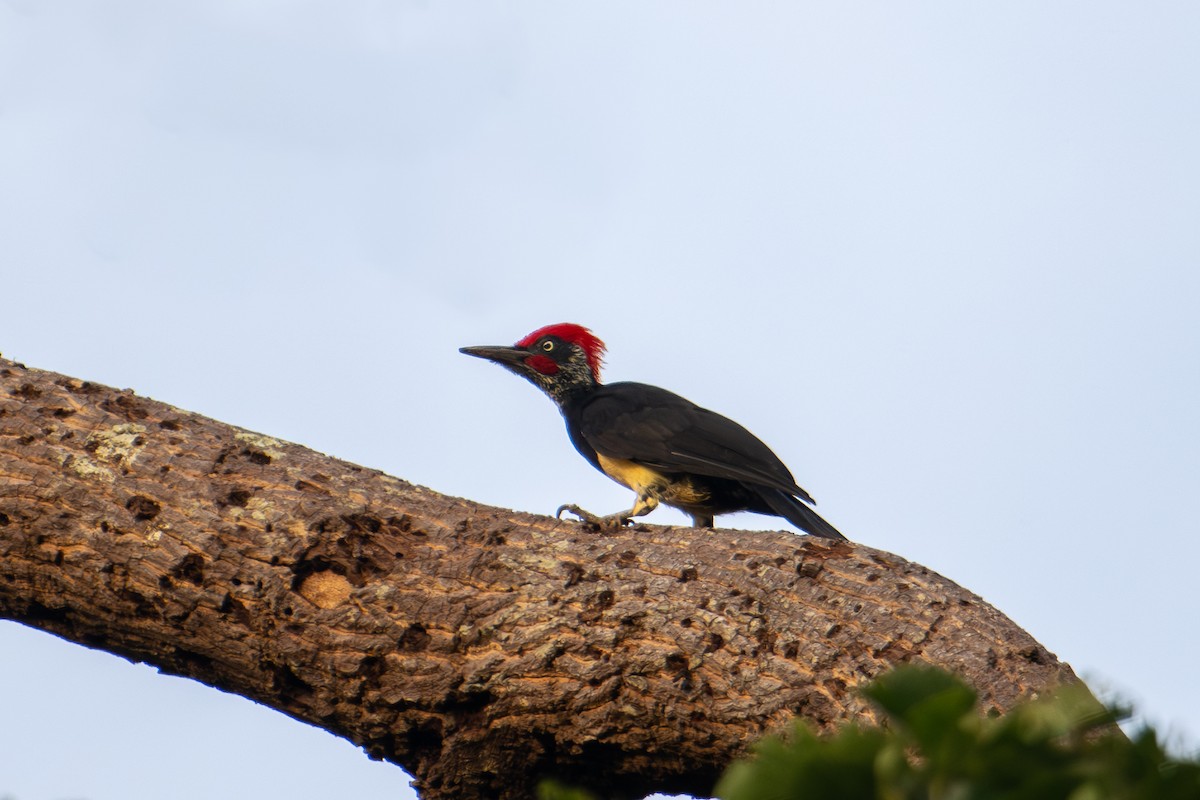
(684, 494)
(642, 480)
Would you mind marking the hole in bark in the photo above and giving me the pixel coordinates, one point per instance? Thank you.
(371, 667)
(142, 508)
(190, 568)
(36, 612)
(257, 456)
(688, 574)
(289, 684)
(1034, 655)
(126, 405)
(139, 600)
(574, 574)
(414, 638)
(363, 522)
(715, 642)
(425, 741)
(169, 425)
(4, 520)
(468, 703)
(808, 569)
(238, 497)
(602, 600)
(676, 662)
(235, 608)
(27, 391)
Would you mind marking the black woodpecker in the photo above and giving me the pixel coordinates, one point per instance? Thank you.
(665, 448)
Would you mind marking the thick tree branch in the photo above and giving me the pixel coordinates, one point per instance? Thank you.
(476, 647)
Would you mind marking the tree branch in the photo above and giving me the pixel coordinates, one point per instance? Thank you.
(476, 647)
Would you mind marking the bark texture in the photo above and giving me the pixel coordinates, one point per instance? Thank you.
(479, 648)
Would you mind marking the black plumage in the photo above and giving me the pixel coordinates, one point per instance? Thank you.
(663, 446)
(726, 465)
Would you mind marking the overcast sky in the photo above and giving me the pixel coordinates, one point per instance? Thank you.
(943, 258)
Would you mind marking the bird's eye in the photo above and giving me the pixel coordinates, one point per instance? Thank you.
(547, 345)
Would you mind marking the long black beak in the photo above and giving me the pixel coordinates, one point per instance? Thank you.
(504, 356)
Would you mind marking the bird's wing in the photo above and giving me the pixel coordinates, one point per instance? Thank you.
(667, 432)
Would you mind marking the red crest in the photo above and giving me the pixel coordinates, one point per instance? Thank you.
(591, 345)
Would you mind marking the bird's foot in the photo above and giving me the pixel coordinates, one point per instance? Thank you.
(611, 522)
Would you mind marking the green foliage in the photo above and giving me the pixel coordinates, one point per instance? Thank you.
(553, 790)
(936, 746)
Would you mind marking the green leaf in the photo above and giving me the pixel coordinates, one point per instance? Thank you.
(551, 789)
(936, 746)
(928, 702)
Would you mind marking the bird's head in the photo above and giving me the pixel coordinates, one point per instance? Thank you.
(558, 359)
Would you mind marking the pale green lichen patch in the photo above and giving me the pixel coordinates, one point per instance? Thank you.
(264, 444)
(256, 509)
(119, 444)
(86, 468)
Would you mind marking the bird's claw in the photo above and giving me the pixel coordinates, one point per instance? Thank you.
(611, 522)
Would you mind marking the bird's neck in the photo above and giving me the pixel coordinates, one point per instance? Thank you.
(568, 394)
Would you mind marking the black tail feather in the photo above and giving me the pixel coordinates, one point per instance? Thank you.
(799, 514)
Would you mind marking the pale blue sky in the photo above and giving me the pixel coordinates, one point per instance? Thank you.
(943, 258)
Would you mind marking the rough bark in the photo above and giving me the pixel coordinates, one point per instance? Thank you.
(478, 648)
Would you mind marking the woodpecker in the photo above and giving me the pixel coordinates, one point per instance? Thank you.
(665, 448)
